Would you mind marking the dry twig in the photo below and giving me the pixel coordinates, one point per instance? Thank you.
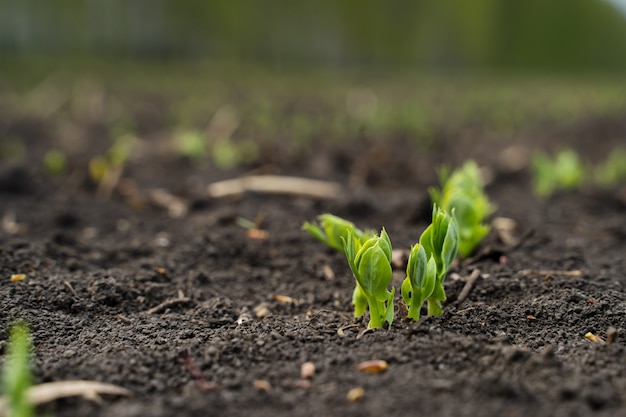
(275, 184)
(50, 391)
(550, 272)
(469, 285)
(168, 304)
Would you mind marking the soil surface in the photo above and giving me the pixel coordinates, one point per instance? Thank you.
(172, 299)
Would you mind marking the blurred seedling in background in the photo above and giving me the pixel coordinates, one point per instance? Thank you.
(370, 262)
(107, 170)
(217, 143)
(16, 373)
(54, 162)
(191, 144)
(565, 171)
(463, 192)
(254, 230)
(612, 172)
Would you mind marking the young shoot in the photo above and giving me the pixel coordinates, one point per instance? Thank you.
(333, 229)
(54, 162)
(16, 373)
(370, 263)
(421, 277)
(441, 242)
(564, 172)
(612, 172)
(463, 192)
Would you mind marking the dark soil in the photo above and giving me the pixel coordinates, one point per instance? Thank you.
(97, 268)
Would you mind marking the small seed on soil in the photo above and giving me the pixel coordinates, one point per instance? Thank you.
(17, 277)
(262, 310)
(243, 318)
(374, 366)
(531, 318)
(257, 234)
(307, 370)
(284, 299)
(355, 394)
(329, 274)
(592, 337)
(262, 385)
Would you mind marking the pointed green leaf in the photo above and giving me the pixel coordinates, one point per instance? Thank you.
(385, 243)
(406, 291)
(374, 273)
(389, 313)
(359, 300)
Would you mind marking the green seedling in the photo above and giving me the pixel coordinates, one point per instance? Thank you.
(54, 162)
(102, 167)
(441, 242)
(225, 153)
(421, 277)
(228, 154)
(612, 172)
(370, 263)
(334, 230)
(463, 192)
(565, 172)
(16, 374)
(192, 144)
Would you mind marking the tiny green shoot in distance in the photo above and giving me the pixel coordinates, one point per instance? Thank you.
(54, 162)
(463, 192)
(565, 171)
(333, 229)
(612, 172)
(370, 263)
(441, 242)
(117, 155)
(16, 373)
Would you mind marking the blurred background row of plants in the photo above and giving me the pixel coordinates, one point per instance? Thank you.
(228, 83)
(446, 35)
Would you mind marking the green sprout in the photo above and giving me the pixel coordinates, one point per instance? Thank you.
(612, 172)
(441, 242)
(16, 373)
(101, 167)
(421, 277)
(191, 144)
(565, 172)
(463, 192)
(370, 263)
(54, 162)
(333, 230)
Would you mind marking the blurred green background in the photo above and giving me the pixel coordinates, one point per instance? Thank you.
(450, 35)
(232, 83)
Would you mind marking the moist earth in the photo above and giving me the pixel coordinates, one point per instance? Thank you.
(196, 316)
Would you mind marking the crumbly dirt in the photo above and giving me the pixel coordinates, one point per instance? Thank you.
(121, 291)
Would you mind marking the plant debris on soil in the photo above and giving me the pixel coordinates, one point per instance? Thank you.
(159, 290)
